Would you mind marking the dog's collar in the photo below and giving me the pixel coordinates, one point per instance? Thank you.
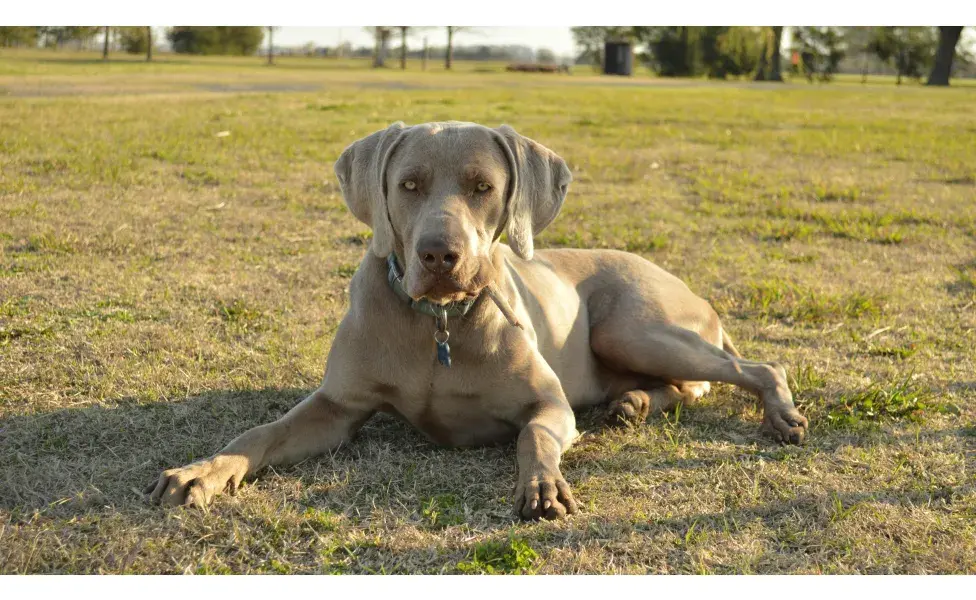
(424, 306)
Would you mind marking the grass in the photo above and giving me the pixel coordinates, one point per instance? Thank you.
(902, 400)
(777, 299)
(163, 288)
(511, 557)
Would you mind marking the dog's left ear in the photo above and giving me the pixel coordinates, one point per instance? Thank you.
(361, 170)
(539, 181)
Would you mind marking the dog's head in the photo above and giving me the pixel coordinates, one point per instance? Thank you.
(440, 195)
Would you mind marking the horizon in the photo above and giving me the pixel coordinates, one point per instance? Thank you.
(557, 39)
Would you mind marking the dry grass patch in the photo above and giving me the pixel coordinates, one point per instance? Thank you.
(163, 288)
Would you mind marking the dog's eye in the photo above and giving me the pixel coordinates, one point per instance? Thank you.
(483, 187)
(409, 185)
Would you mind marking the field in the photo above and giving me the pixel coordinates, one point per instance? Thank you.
(174, 256)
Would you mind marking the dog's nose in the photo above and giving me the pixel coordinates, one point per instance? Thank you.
(437, 257)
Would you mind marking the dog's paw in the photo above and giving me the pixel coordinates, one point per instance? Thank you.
(784, 423)
(197, 484)
(630, 408)
(544, 496)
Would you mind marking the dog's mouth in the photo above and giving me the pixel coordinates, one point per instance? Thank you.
(466, 283)
(445, 290)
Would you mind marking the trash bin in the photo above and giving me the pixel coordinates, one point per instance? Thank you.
(618, 59)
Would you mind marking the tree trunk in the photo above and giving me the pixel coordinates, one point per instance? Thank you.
(775, 70)
(376, 48)
(379, 57)
(426, 54)
(763, 55)
(450, 48)
(688, 67)
(942, 69)
(403, 48)
(105, 47)
(270, 45)
(149, 44)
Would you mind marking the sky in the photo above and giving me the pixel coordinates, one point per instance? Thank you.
(557, 39)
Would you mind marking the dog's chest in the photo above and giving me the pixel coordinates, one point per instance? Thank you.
(457, 405)
(455, 418)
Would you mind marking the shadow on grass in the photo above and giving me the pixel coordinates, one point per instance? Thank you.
(73, 477)
(98, 454)
(74, 459)
(78, 458)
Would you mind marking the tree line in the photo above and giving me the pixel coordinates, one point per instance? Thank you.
(243, 41)
(815, 52)
(719, 52)
(247, 40)
(382, 37)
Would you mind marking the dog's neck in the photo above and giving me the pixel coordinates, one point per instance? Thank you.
(441, 312)
(424, 306)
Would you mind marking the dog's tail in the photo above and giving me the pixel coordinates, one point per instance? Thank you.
(728, 346)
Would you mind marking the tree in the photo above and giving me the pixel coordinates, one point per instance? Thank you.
(57, 37)
(18, 36)
(821, 49)
(546, 56)
(768, 68)
(775, 58)
(909, 49)
(381, 37)
(942, 67)
(717, 52)
(344, 49)
(105, 43)
(243, 41)
(590, 41)
(673, 51)
(857, 41)
(135, 40)
(732, 51)
(403, 47)
(149, 43)
(451, 32)
(271, 45)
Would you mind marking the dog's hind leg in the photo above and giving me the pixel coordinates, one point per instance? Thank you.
(627, 341)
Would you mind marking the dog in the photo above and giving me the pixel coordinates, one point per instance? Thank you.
(474, 341)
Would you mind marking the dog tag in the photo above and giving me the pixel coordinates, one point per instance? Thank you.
(444, 354)
(441, 335)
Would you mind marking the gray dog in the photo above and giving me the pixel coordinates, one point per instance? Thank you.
(477, 342)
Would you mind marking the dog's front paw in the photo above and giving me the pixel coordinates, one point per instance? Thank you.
(197, 484)
(784, 423)
(544, 495)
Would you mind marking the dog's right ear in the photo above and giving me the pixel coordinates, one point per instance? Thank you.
(361, 170)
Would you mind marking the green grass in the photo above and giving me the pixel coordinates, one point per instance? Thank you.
(776, 299)
(163, 288)
(511, 557)
(899, 400)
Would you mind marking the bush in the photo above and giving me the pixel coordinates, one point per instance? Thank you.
(909, 49)
(717, 52)
(821, 49)
(215, 40)
(134, 40)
